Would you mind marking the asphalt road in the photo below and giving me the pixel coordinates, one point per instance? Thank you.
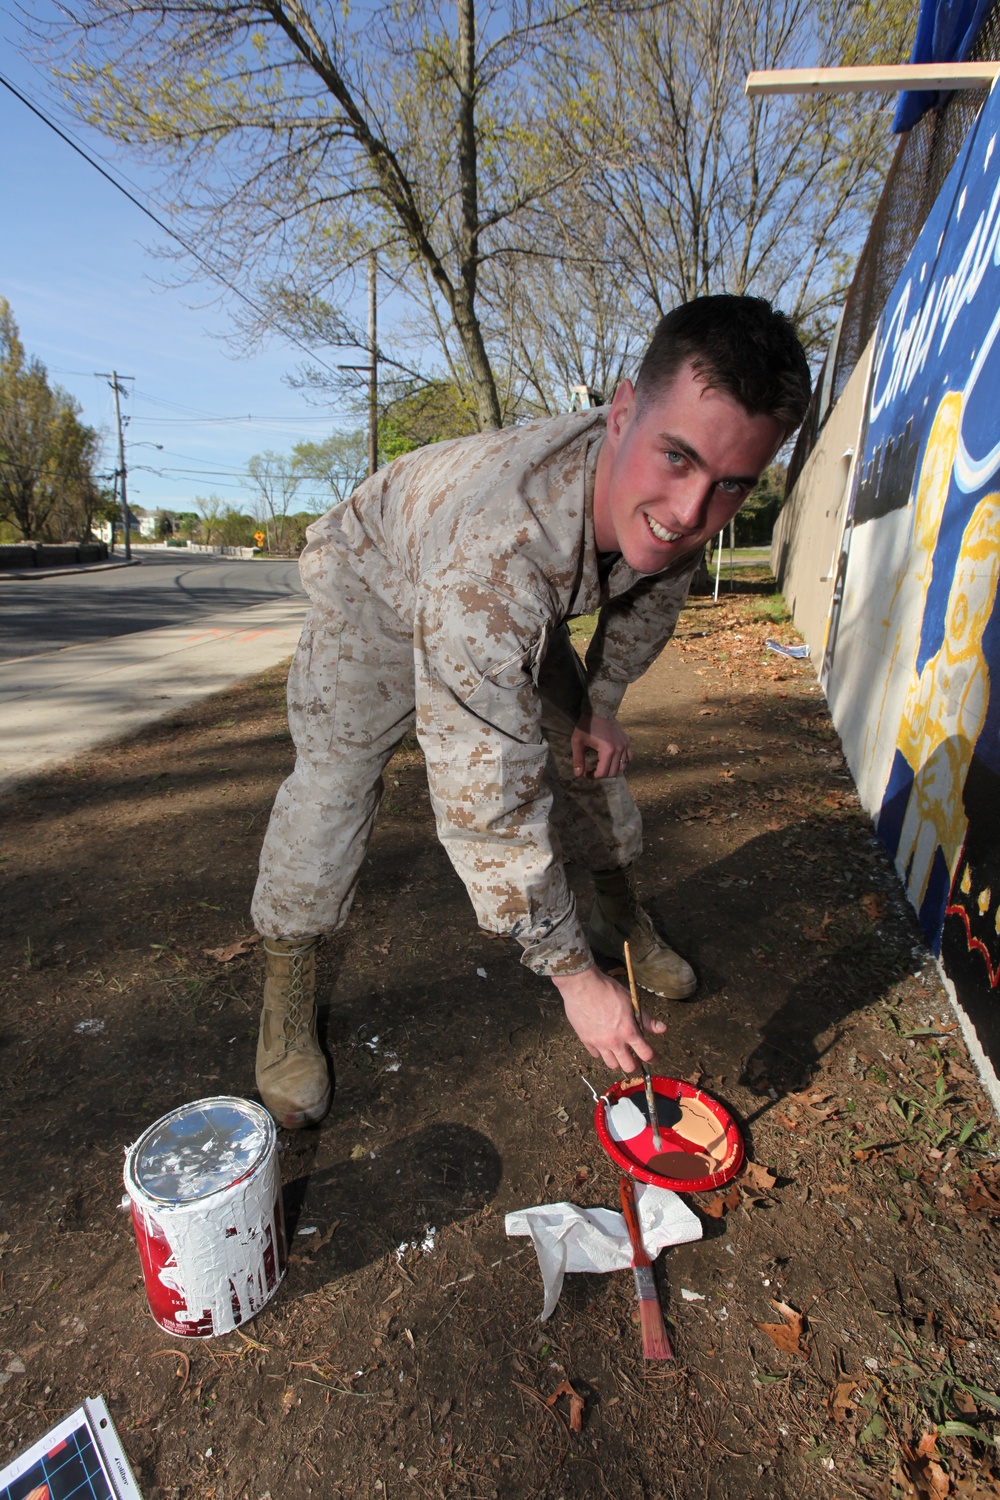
(48, 614)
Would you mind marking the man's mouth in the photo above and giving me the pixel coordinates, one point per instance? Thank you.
(661, 533)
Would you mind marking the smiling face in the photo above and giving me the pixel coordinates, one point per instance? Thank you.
(675, 469)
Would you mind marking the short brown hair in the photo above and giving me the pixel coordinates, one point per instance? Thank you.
(740, 345)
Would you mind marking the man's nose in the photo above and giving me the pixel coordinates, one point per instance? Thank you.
(691, 502)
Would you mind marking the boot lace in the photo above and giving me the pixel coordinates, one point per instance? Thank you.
(295, 1023)
(639, 915)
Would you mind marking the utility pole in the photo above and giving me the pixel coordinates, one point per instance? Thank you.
(372, 365)
(114, 497)
(113, 380)
(371, 368)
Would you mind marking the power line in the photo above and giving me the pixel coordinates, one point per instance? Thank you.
(275, 422)
(164, 227)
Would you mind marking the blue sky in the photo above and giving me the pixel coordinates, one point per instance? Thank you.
(77, 268)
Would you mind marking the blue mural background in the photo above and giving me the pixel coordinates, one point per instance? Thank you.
(926, 504)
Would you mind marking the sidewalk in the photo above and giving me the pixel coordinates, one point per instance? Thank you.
(55, 706)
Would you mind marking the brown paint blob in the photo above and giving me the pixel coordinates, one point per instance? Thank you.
(681, 1165)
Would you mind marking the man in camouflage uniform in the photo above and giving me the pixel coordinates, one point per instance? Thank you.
(440, 594)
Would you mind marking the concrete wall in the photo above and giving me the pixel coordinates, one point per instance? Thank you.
(806, 541)
(21, 555)
(194, 547)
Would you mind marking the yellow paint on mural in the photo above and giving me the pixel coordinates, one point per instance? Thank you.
(946, 703)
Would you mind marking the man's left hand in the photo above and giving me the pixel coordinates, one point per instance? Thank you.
(609, 742)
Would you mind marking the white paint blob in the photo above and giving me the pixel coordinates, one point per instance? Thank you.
(625, 1120)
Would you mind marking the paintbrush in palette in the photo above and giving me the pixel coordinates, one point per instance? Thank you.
(655, 1343)
(647, 1080)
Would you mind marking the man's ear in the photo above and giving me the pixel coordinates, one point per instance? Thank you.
(621, 411)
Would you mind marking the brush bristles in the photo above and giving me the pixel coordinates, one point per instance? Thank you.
(655, 1344)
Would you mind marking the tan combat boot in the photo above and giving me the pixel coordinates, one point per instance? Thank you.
(292, 1074)
(617, 917)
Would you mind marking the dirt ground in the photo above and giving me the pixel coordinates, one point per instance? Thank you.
(423, 1371)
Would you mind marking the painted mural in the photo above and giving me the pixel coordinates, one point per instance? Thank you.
(912, 659)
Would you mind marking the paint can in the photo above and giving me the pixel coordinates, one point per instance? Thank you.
(204, 1191)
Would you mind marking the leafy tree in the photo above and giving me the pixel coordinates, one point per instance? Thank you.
(540, 180)
(692, 188)
(47, 487)
(339, 462)
(186, 524)
(295, 529)
(273, 484)
(427, 413)
(209, 507)
(756, 516)
(235, 529)
(302, 135)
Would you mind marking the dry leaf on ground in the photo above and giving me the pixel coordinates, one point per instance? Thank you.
(716, 1206)
(759, 1176)
(843, 1399)
(575, 1404)
(817, 934)
(230, 951)
(918, 1472)
(788, 1336)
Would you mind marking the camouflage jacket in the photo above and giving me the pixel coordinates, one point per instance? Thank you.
(482, 547)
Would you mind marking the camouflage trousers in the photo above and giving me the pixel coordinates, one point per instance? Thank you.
(350, 703)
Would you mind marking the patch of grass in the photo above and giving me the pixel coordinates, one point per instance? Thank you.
(771, 607)
(583, 627)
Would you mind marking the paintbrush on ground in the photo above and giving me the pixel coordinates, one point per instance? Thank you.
(650, 1095)
(655, 1344)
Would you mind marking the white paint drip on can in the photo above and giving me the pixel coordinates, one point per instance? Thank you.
(205, 1193)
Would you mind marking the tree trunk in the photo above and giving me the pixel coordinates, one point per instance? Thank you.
(464, 305)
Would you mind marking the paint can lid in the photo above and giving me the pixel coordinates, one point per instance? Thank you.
(199, 1149)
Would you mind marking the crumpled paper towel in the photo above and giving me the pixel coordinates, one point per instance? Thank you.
(568, 1238)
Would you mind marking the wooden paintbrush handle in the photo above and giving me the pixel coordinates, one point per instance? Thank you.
(631, 1212)
(633, 992)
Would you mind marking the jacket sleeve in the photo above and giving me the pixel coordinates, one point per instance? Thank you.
(477, 649)
(631, 632)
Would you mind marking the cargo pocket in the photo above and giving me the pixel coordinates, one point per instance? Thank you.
(348, 688)
(312, 684)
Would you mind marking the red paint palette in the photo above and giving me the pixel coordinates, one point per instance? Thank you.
(700, 1143)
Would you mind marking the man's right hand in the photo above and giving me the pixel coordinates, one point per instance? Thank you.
(600, 1012)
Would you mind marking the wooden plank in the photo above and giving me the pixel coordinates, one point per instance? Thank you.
(881, 80)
